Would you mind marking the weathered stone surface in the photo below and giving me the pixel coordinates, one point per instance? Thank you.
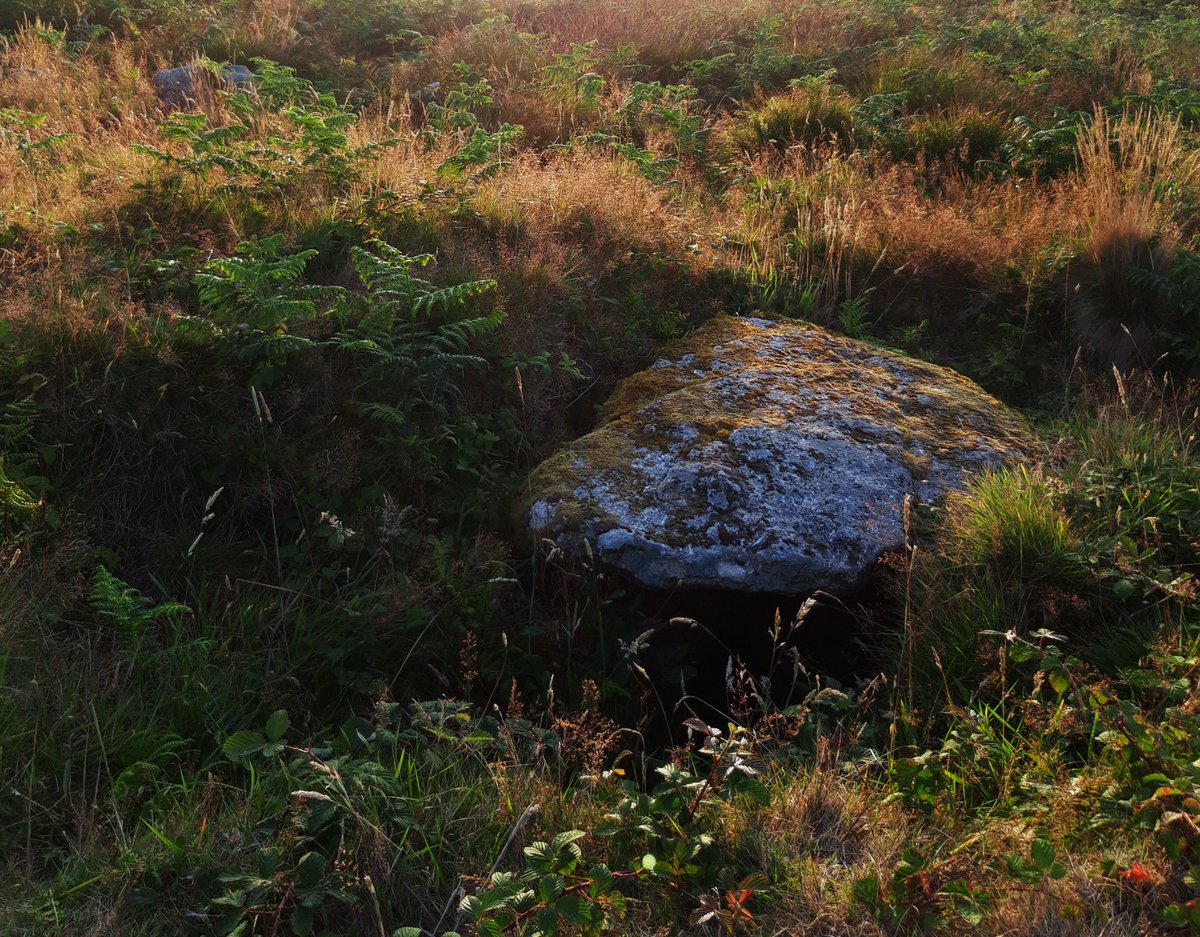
(767, 457)
(180, 86)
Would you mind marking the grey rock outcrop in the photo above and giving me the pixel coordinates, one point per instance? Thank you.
(769, 457)
(180, 87)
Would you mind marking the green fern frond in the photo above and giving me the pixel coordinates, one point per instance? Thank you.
(113, 599)
(364, 345)
(451, 296)
(463, 331)
(446, 360)
(261, 287)
(274, 348)
(14, 498)
(17, 421)
(393, 416)
(127, 609)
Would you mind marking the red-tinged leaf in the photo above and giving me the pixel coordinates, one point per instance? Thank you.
(1137, 876)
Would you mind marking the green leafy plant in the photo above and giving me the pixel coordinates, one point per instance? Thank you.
(665, 832)
(922, 895)
(255, 307)
(670, 816)
(481, 155)
(573, 78)
(17, 129)
(764, 58)
(297, 878)
(254, 297)
(553, 891)
(672, 108)
(126, 610)
(289, 136)
(1178, 286)
(1048, 147)
(409, 334)
(19, 462)
(879, 117)
(463, 104)
(1041, 865)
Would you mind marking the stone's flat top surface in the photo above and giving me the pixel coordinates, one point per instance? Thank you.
(767, 457)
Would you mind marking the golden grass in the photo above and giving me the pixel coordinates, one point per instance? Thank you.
(923, 234)
(851, 225)
(1128, 161)
(1136, 172)
(822, 832)
(664, 33)
(961, 239)
(932, 79)
(90, 95)
(554, 235)
(601, 202)
(826, 829)
(101, 107)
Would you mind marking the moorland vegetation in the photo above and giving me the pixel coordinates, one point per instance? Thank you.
(276, 363)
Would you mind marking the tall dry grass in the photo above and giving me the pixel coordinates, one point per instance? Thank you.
(850, 225)
(68, 165)
(1134, 170)
(930, 237)
(575, 220)
(812, 241)
(600, 201)
(80, 167)
(666, 34)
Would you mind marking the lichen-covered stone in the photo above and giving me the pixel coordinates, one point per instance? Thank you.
(767, 457)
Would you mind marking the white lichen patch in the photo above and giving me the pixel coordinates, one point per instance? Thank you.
(768, 457)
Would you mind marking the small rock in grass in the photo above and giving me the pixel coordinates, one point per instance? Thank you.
(183, 86)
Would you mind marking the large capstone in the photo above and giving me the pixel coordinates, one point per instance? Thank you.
(770, 457)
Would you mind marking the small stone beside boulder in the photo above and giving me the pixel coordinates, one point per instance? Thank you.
(767, 457)
(183, 86)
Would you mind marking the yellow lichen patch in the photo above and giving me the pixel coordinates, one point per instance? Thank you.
(937, 404)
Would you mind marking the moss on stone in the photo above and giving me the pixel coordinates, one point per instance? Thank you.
(742, 400)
